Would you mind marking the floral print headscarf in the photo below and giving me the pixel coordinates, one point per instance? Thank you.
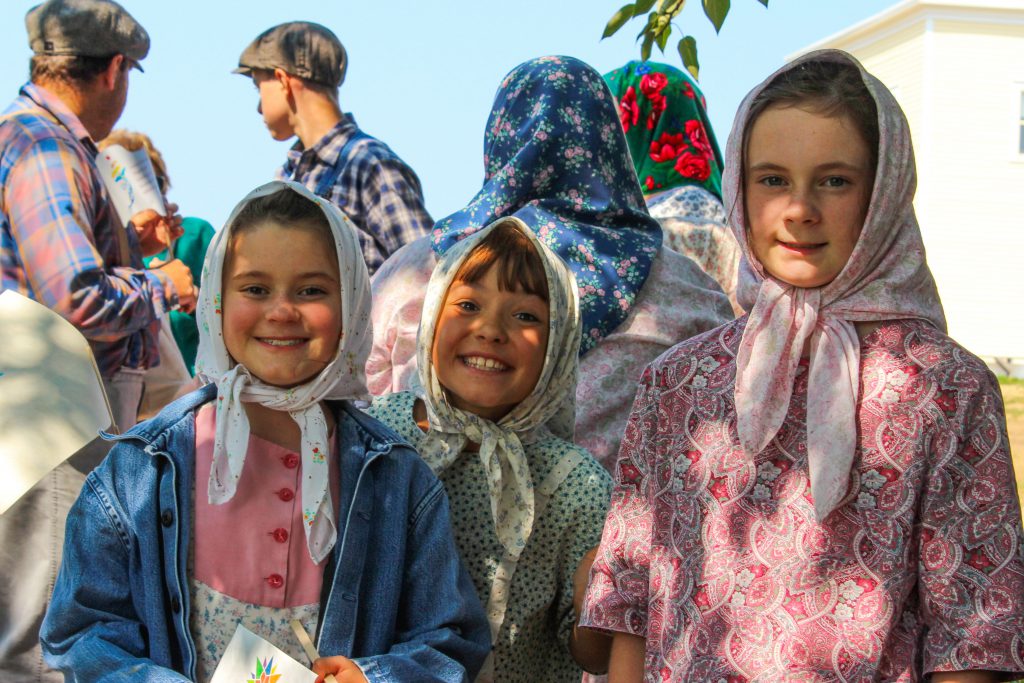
(886, 278)
(667, 128)
(549, 409)
(342, 378)
(555, 156)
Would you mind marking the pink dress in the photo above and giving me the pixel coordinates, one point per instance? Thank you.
(677, 301)
(719, 560)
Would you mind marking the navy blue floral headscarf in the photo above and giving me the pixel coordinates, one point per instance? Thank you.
(556, 158)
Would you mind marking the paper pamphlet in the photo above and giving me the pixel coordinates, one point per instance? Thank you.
(250, 659)
(51, 396)
(130, 180)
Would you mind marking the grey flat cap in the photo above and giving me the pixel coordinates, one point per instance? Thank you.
(86, 28)
(300, 48)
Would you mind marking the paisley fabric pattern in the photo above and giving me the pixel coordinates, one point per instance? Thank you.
(343, 378)
(694, 224)
(549, 408)
(719, 560)
(555, 156)
(886, 278)
(668, 130)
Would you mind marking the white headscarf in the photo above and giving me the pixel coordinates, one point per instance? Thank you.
(549, 408)
(886, 278)
(343, 378)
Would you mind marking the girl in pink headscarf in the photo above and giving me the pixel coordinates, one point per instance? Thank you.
(820, 490)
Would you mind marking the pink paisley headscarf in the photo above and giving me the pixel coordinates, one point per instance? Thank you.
(886, 278)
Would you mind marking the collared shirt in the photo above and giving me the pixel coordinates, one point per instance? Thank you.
(376, 189)
(60, 241)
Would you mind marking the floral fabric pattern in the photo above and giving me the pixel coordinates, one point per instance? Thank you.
(555, 157)
(532, 642)
(694, 224)
(215, 616)
(667, 127)
(343, 378)
(719, 559)
(886, 278)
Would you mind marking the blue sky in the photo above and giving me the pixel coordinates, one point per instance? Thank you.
(422, 75)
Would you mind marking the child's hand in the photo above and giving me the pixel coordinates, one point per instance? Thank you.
(343, 668)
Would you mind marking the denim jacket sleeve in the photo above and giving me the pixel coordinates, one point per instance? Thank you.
(442, 624)
(92, 631)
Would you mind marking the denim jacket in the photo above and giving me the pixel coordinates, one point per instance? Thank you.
(396, 597)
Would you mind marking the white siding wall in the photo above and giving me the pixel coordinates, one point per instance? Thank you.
(959, 83)
(975, 191)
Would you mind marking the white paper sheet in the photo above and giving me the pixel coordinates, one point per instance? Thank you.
(51, 396)
(250, 659)
(130, 180)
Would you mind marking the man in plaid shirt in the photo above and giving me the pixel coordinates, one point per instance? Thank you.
(62, 244)
(60, 239)
(297, 68)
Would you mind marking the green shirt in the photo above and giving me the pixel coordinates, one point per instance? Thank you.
(190, 248)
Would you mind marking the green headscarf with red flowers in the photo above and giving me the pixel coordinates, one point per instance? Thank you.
(668, 131)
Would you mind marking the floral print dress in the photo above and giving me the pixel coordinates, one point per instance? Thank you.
(718, 560)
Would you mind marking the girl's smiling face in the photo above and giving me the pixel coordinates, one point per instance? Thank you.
(489, 345)
(281, 306)
(807, 186)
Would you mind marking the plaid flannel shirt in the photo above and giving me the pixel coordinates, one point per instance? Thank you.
(60, 241)
(375, 189)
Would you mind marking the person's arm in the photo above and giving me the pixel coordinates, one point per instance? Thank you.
(588, 647)
(442, 633)
(91, 631)
(627, 661)
(964, 677)
(970, 572)
(617, 596)
(394, 213)
(53, 226)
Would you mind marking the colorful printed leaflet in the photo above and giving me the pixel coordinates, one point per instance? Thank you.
(251, 659)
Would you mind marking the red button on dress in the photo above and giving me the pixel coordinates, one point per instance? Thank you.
(275, 580)
(280, 535)
(286, 494)
(291, 461)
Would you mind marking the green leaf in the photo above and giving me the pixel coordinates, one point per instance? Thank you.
(645, 48)
(618, 19)
(649, 26)
(662, 39)
(716, 10)
(644, 6)
(688, 53)
(763, 2)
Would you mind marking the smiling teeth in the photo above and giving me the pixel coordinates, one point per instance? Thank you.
(282, 342)
(484, 363)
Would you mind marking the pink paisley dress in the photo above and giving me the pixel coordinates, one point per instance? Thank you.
(718, 560)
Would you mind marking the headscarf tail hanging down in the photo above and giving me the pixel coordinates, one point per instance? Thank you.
(343, 378)
(549, 408)
(555, 156)
(886, 278)
(670, 137)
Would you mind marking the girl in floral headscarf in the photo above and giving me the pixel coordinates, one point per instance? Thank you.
(678, 163)
(555, 156)
(266, 497)
(821, 489)
(492, 413)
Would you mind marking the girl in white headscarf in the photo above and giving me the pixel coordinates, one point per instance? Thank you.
(492, 413)
(822, 489)
(266, 497)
